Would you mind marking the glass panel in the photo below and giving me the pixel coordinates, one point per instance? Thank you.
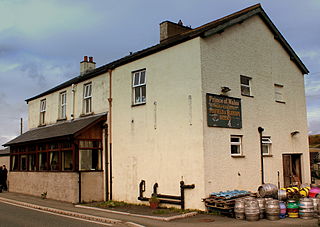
(245, 90)
(42, 147)
(43, 162)
(235, 149)
(90, 159)
(137, 97)
(86, 160)
(15, 163)
(244, 80)
(67, 160)
(142, 77)
(235, 139)
(53, 146)
(32, 162)
(143, 91)
(265, 148)
(54, 161)
(136, 79)
(23, 163)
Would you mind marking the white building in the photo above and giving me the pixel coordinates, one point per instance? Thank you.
(187, 109)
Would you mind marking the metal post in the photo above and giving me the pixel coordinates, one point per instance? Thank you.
(260, 129)
(21, 126)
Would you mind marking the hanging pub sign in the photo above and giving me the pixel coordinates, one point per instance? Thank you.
(223, 111)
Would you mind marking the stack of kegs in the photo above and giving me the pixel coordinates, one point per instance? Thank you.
(306, 208)
(272, 210)
(304, 192)
(293, 208)
(251, 209)
(268, 190)
(283, 209)
(262, 207)
(316, 204)
(239, 209)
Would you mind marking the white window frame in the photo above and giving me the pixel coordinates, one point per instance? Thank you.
(278, 93)
(238, 144)
(43, 107)
(87, 98)
(266, 143)
(63, 105)
(246, 85)
(140, 85)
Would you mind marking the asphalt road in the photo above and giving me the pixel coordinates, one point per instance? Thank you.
(14, 216)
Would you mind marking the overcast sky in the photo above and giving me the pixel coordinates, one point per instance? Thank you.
(43, 41)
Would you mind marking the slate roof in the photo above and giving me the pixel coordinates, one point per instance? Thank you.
(67, 128)
(212, 28)
(5, 152)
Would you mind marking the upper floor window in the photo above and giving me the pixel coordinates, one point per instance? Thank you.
(139, 87)
(42, 111)
(63, 105)
(236, 145)
(245, 86)
(87, 90)
(278, 93)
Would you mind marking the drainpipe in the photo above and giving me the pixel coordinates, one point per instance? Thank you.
(260, 130)
(106, 164)
(73, 86)
(110, 129)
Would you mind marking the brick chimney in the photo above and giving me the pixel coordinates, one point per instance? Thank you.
(169, 29)
(87, 66)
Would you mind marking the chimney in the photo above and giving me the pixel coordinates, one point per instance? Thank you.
(169, 29)
(87, 66)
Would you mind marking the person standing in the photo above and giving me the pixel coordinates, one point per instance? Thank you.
(1, 179)
(5, 176)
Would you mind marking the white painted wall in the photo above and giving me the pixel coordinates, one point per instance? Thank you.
(100, 91)
(163, 145)
(250, 49)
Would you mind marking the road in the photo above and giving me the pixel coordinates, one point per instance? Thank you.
(14, 216)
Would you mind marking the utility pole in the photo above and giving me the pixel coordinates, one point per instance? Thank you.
(21, 125)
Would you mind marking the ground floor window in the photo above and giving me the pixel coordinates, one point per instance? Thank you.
(235, 142)
(90, 155)
(67, 161)
(266, 145)
(58, 156)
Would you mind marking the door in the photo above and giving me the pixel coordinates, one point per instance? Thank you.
(291, 169)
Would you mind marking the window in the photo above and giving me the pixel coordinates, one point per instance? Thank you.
(87, 91)
(278, 93)
(32, 162)
(42, 111)
(90, 155)
(139, 87)
(236, 145)
(63, 105)
(266, 145)
(67, 161)
(43, 161)
(23, 165)
(245, 85)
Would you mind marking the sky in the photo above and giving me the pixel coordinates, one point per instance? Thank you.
(43, 42)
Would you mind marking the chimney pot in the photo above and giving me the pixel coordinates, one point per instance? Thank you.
(87, 66)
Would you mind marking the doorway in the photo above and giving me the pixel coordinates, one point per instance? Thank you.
(291, 169)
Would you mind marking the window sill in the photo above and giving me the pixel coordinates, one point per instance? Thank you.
(250, 96)
(41, 125)
(281, 102)
(238, 156)
(98, 170)
(61, 119)
(86, 114)
(267, 155)
(138, 104)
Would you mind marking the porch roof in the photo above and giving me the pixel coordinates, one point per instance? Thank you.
(67, 128)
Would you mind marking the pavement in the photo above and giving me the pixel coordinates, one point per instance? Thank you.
(136, 220)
